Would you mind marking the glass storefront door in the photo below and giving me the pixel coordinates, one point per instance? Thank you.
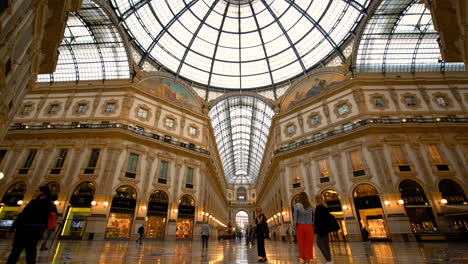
(156, 226)
(75, 222)
(119, 225)
(184, 228)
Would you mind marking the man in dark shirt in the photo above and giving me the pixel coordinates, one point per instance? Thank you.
(30, 225)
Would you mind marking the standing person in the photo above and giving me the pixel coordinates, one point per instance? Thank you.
(261, 229)
(205, 234)
(141, 232)
(324, 223)
(51, 224)
(30, 225)
(303, 224)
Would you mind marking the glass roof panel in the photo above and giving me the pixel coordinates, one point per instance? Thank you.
(91, 48)
(239, 32)
(241, 125)
(400, 37)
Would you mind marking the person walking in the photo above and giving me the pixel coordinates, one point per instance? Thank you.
(303, 220)
(261, 229)
(51, 225)
(30, 225)
(141, 232)
(324, 223)
(205, 234)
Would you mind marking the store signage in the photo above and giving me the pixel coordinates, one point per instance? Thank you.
(158, 207)
(118, 202)
(81, 200)
(454, 198)
(186, 210)
(367, 202)
(414, 199)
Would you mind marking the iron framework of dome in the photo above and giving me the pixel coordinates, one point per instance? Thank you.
(92, 48)
(239, 44)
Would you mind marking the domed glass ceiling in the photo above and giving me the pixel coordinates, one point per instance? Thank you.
(239, 44)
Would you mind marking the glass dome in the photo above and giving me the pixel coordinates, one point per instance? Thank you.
(239, 44)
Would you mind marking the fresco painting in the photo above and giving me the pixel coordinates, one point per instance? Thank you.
(311, 87)
(172, 91)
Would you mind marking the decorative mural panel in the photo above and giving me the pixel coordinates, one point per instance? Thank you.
(310, 87)
(171, 91)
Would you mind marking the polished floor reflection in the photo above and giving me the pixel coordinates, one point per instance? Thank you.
(120, 252)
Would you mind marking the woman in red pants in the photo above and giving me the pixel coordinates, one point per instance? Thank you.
(303, 224)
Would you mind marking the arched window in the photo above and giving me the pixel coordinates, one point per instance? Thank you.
(14, 194)
(126, 191)
(241, 194)
(452, 192)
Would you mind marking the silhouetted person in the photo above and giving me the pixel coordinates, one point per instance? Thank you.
(30, 225)
(261, 228)
(205, 234)
(141, 232)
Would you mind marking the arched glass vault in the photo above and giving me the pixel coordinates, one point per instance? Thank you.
(91, 49)
(246, 44)
(400, 37)
(241, 125)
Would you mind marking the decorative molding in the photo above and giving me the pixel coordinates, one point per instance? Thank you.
(148, 113)
(110, 101)
(416, 99)
(386, 103)
(446, 98)
(27, 103)
(49, 105)
(309, 119)
(170, 116)
(287, 133)
(77, 105)
(341, 103)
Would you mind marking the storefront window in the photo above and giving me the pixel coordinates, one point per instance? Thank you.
(78, 211)
(417, 208)
(370, 213)
(157, 215)
(185, 217)
(119, 225)
(121, 213)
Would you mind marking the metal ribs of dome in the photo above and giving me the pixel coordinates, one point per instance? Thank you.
(231, 44)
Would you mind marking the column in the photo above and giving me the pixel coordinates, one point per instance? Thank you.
(416, 147)
(109, 164)
(40, 165)
(74, 168)
(458, 160)
(339, 176)
(147, 175)
(381, 167)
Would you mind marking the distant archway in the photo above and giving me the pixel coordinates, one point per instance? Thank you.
(242, 220)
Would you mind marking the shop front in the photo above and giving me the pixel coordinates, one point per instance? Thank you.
(156, 217)
(369, 212)
(418, 210)
(333, 202)
(10, 206)
(454, 198)
(185, 218)
(121, 214)
(78, 211)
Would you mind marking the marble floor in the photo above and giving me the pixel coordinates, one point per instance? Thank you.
(120, 252)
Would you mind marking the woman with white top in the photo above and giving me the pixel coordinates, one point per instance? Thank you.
(303, 224)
